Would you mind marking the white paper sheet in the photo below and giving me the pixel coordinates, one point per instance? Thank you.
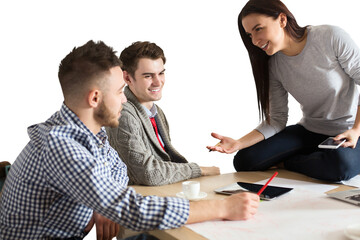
(300, 214)
(284, 182)
(353, 182)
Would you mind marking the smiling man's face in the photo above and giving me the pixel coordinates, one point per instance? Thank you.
(148, 81)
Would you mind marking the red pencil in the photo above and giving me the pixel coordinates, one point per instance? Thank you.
(267, 183)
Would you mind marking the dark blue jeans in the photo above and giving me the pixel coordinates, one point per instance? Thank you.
(298, 149)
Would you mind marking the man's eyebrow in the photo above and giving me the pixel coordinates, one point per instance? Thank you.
(147, 73)
(151, 73)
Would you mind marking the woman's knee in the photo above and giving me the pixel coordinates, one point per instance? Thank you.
(344, 165)
(245, 160)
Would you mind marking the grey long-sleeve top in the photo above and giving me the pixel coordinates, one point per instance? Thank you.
(322, 78)
(137, 145)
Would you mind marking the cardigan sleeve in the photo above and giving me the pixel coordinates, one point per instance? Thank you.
(146, 165)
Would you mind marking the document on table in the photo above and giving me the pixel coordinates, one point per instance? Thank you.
(284, 182)
(353, 182)
(299, 214)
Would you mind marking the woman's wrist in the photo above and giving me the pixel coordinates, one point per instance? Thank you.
(239, 144)
(356, 129)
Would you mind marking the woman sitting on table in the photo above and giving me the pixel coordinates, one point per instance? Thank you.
(320, 67)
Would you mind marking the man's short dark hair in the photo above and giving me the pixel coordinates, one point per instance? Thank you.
(85, 65)
(131, 55)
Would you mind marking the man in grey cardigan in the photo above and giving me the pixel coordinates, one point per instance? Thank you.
(142, 138)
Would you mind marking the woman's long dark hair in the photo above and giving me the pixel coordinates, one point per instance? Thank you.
(258, 58)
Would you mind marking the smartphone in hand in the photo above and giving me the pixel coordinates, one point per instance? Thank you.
(330, 143)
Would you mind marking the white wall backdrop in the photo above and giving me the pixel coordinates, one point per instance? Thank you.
(208, 76)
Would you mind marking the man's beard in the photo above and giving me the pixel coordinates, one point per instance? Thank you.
(105, 117)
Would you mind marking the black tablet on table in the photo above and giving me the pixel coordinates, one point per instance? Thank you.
(269, 193)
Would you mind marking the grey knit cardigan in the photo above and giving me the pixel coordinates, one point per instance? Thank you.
(137, 145)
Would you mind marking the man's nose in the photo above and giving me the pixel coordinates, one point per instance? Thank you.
(156, 80)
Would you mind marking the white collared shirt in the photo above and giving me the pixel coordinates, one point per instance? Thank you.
(152, 113)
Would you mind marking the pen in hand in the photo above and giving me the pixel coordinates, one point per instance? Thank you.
(267, 183)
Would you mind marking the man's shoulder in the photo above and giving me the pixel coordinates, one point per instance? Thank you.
(60, 128)
(131, 118)
(44, 129)
(159, 109)
(130, 107)
(59, 136)
(130, 111)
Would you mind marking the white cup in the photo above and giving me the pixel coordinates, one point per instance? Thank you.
(191, 189)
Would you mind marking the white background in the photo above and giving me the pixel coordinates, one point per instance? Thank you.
(209, 85)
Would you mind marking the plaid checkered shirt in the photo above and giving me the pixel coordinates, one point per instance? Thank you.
(65, 173)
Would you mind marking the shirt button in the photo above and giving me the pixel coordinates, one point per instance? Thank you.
(101, 145)
(106, 163)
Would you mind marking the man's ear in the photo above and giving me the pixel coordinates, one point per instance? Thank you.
(283, 20)
(94, 98)
(127, 77)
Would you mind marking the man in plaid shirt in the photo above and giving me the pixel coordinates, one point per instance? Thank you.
(68, 177)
